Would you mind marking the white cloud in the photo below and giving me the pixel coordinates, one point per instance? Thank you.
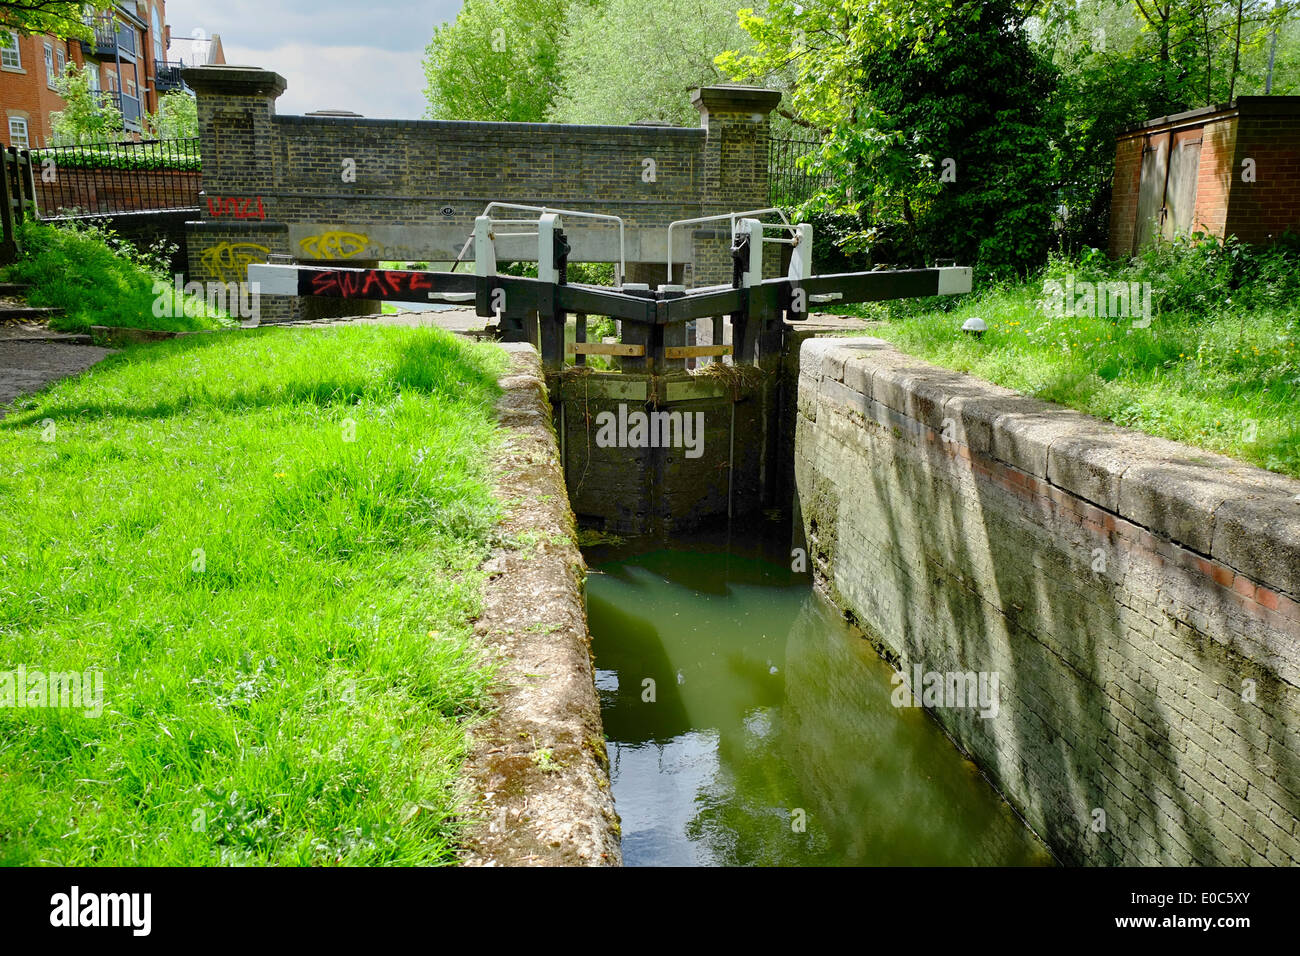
(373, 82)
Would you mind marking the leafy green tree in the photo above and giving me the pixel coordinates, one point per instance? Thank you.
(88, 116)
(60, 18)
(498, 60)
(933, 114)
(628, 60)
(177, 117)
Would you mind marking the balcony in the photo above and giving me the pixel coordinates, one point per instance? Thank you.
(111, 38)
(167, 77)
(127, 105)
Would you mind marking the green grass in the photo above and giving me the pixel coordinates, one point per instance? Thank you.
(1223, 377)
(99, 280)
(282, 616)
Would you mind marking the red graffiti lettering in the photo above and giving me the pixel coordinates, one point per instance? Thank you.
(370, 284)
(372, 280)
(324, 283)
(235, 208)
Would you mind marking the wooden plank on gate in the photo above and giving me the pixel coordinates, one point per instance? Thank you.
(604, 348)
(8, 235)
(695, 351)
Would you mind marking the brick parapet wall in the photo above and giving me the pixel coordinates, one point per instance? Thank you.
(419, 184)
(1139, 599)
(114, 190)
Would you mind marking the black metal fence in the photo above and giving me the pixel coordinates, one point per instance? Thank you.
(106, 178)
(788, 184)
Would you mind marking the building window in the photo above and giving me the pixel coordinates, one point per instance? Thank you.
(49, 65)
(63, 61)
(92, 75)
(18, 132)
(157, 38)
(9, 55)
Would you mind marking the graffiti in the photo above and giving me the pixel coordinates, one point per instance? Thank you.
(334, 245)
(231, 207)
(366, 284)
(229, 261)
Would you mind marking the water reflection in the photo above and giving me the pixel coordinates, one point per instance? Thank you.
(738, 704)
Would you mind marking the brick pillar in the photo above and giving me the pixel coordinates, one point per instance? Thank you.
(236, 109)
(738, 120)
(235, 106)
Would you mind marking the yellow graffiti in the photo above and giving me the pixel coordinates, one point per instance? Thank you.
(229, 261)
(334, 245)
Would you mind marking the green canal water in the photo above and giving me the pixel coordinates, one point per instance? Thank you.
(749, 725)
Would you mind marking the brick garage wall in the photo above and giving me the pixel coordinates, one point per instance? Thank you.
(1129, 591)
(1215, 175)
(1124, 194)
(1263, 128)
(1269, 133)
(117, 190)
(419, 184)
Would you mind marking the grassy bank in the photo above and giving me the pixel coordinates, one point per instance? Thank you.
(98, 279)
(1218, 367)
(267, 543)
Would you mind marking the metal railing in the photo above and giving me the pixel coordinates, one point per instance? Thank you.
(131, 111)
(118, 177)
(788, 183)
(732, 217)
(167, 76)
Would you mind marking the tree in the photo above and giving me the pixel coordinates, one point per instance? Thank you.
(496, 61)
(87, 117)
(60, 18)
(933, 115)
(627, 60)
(177, 117)
(1124, 61)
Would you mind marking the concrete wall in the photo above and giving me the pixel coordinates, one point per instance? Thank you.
(1139, 600)
(418, 184)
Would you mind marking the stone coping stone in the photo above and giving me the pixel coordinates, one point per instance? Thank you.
(1245, 517)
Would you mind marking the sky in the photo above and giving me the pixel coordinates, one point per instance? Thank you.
(334, 54)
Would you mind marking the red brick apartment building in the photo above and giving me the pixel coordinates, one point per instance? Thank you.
(129, 58)
(1222, 170)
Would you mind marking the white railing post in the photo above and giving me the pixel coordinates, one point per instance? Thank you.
(801, 254)
(485, 251)
(753, 273)
(547, 224)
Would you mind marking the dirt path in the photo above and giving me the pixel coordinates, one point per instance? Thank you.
(26, 366)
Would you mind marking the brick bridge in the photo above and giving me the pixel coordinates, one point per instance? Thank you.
(357, 191)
